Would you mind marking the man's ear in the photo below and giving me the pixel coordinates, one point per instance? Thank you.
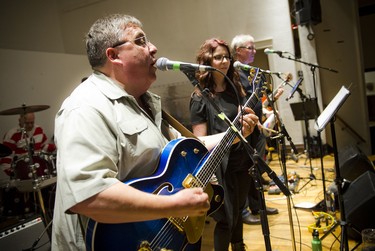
(111, 54)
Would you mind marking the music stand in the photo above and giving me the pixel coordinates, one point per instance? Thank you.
(328, 116)
(306, 110)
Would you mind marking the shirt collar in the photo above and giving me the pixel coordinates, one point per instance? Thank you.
(112, 89)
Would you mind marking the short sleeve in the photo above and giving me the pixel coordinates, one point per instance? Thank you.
(198, 110)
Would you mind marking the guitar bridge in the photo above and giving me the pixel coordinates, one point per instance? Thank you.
(145, 246)
(178, 223)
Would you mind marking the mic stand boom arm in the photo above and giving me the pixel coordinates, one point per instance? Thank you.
(309, 64)
(312, 68)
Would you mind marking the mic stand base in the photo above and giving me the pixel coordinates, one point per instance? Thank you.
(311, 178)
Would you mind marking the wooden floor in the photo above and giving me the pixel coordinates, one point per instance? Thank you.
(290, 219)
(282, 225)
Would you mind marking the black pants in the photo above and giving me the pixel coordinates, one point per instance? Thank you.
(236, 193)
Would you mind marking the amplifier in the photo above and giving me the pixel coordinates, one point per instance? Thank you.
(22, 236)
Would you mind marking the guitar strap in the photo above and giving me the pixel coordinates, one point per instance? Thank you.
(177, 125)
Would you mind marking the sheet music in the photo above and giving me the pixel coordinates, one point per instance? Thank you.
(331, 109)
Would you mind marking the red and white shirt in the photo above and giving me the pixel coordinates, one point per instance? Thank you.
(17, 142)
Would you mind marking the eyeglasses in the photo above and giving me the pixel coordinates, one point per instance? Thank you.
(250, 48)
(222, 57)
(140, 41)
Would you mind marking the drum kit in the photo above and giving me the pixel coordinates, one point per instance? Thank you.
(32, 171)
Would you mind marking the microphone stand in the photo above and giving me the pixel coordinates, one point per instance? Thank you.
(282, 135)
(313, 68)
(258, 162)
(308, 142)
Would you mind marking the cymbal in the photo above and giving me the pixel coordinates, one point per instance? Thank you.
(24, 109)
(4, 150)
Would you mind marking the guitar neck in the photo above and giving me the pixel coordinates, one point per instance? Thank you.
(265, 103)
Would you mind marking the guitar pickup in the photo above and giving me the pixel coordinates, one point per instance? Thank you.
(190, 181)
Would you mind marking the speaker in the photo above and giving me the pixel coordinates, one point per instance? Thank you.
(22, 236)
(353, 162)
(359, 201)
(308, 11)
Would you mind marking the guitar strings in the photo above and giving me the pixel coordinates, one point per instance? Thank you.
(229, 137)
(164, 236)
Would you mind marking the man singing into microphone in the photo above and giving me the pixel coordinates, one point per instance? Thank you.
(243, 49)
(109, 131)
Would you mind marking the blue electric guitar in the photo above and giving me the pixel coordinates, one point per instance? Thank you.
(184, 163)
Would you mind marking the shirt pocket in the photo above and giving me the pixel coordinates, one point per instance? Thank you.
(133, 126)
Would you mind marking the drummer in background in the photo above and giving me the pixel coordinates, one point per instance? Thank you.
(16, 141)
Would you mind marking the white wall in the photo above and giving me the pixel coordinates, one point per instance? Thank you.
(339, 46)
(177, 28)
(37, 78)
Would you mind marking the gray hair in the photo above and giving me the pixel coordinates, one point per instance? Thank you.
(240, 40)
(104, 33)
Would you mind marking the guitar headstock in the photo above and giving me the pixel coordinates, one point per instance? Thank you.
(258, 78)
(287, 76)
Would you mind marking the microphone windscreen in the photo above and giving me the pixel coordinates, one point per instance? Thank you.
(161, 63)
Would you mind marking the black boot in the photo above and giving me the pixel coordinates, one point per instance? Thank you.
(239, 246)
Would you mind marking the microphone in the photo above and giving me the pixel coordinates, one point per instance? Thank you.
(270, 51)
(164, 64)
(242, 66)
(246, 67)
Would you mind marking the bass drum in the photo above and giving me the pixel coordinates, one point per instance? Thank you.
(15, 203)
(23, 168)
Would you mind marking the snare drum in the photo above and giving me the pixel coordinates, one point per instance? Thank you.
(23, 168)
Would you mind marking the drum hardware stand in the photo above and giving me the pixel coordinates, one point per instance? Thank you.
(36, 182)
(328, 115)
